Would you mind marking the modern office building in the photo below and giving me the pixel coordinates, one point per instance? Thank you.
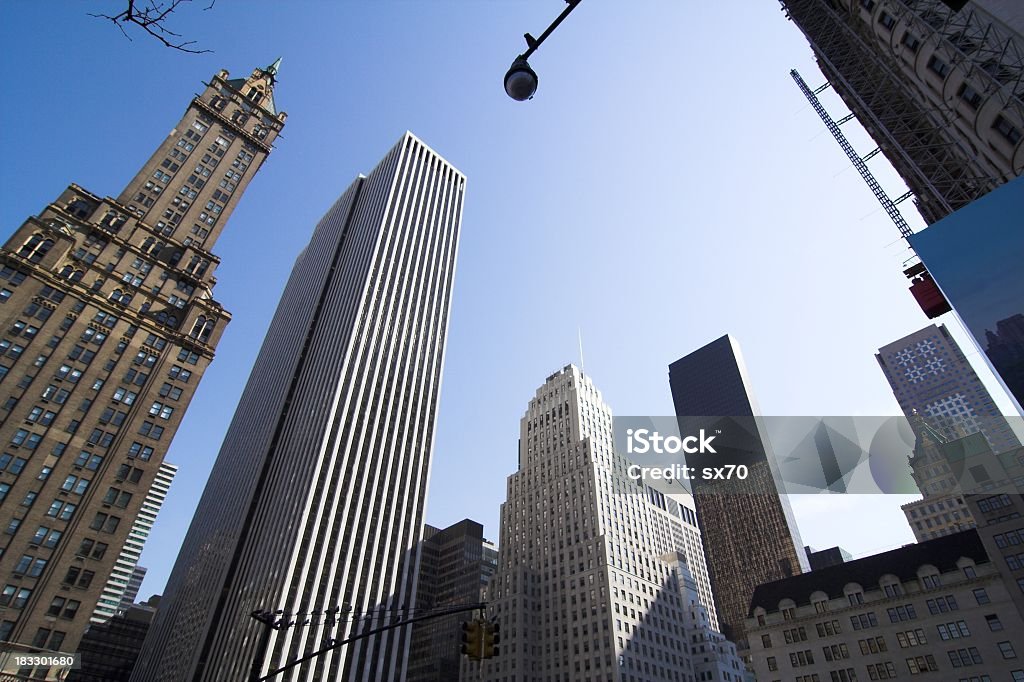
(125, 580)
(109, 650)
(598, 573)
(938, 610)
(823, 558)
(107, 324)
(940, 90)
(131, 592)
(931, 377)
(750, 533)
(945, 401)
(456, 564)
(315, 504)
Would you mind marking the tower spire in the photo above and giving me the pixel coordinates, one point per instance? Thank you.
(274, 68)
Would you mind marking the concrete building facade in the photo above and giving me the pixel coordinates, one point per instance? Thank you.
(597, 574)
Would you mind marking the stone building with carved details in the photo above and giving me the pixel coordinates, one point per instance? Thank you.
(107, 324)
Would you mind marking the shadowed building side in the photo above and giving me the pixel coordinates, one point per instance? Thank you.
(316, 500)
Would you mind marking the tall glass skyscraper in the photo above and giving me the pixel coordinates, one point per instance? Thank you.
(315, 505)
(930, 375)
(750, 533)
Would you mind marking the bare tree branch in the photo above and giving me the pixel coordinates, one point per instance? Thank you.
(150, 16)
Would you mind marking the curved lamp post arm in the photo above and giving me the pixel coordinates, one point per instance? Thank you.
(521, 80)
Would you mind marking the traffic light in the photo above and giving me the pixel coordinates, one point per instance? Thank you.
(492, 635)
(472, 639)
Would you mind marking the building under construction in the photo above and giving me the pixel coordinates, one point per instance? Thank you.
(940, 90)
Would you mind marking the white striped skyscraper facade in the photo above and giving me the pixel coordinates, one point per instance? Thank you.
(599, 576)
(317, 497)
(125, 573)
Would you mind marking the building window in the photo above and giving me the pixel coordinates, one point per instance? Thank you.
(151, 430)
(938, 67)
(1006, 649)
(886, 20)
(970, 96)
(911, 638)
(921, 664)
(956, 630)
(35, 248)
(105, 522)
(1006, 129)
(63, 608)
(92, 549)
(117, 498)
(61, 510)
(14, 596)
(961, 658)
(981, 596)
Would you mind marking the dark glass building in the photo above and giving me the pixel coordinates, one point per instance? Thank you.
(750, 535)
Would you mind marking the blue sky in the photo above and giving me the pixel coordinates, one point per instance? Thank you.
(668, 184)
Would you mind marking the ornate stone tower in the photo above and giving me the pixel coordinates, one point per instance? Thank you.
(107, 323)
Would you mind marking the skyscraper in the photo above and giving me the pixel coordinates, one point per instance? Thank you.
(942, 510)
(940, 91)
(750, 533)
(456, 564)
(125, 580)
(599, 576)
(315, 504)
(930, 376)
(108, 324)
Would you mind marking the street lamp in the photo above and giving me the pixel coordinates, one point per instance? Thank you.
(521, 80)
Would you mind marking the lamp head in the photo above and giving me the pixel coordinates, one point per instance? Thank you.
(521, 80)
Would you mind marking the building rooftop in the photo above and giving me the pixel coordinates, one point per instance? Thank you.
(942, 553)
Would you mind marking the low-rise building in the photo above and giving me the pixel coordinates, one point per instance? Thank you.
(938, 610)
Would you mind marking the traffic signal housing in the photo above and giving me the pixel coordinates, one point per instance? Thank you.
(492, 635)
(472, 639)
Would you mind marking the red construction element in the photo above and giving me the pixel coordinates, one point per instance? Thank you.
(926, 291)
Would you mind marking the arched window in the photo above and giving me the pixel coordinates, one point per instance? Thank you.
(121, 297)
(35, 248)
(202, 328)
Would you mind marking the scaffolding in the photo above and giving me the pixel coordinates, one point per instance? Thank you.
(917, 135)
(858, 161)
